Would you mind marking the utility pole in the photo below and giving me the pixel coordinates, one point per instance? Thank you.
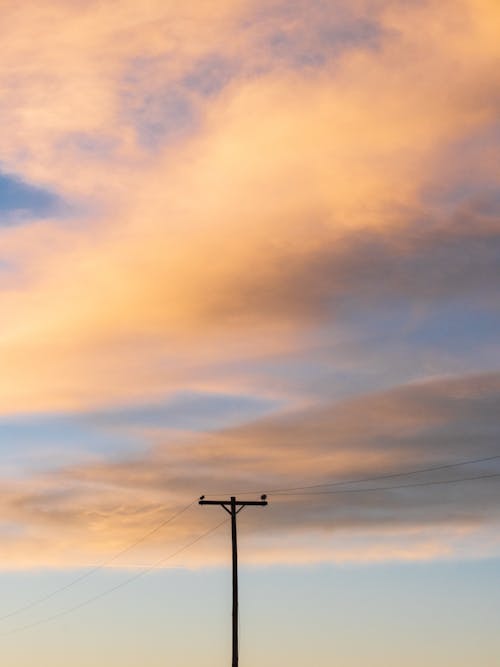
(233, 507)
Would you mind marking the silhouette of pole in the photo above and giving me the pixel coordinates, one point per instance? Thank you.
(233, 507)
(235, 582)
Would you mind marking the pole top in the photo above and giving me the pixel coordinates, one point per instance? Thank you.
(232, 501)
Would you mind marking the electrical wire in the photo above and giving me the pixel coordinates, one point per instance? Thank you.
(374, 478)
(282, 491)
(389, 488)
(93, 570)
(111, 590)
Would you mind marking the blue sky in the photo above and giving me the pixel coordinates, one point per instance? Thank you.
(20, 201)
(379, 615)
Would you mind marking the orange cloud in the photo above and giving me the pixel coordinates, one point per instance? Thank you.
(198, 243)
(293, 188)
(85, 512)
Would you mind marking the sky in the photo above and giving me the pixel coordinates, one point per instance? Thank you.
(250, 247)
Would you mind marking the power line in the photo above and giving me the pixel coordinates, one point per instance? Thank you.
(108, 591)
(283, 491)
(89, 573)
(389, 488)
(374, 478)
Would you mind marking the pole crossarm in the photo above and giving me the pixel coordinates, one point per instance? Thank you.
(224, 503)
(233, 507)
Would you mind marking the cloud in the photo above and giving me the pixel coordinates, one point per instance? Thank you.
(426, 263)
(254, 177)
(84, 511)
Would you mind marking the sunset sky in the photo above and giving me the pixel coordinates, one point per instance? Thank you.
(247, 246)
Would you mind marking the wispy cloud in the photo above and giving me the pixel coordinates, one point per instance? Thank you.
(101, 505)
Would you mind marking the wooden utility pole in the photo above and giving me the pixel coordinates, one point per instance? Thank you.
(233, 507)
